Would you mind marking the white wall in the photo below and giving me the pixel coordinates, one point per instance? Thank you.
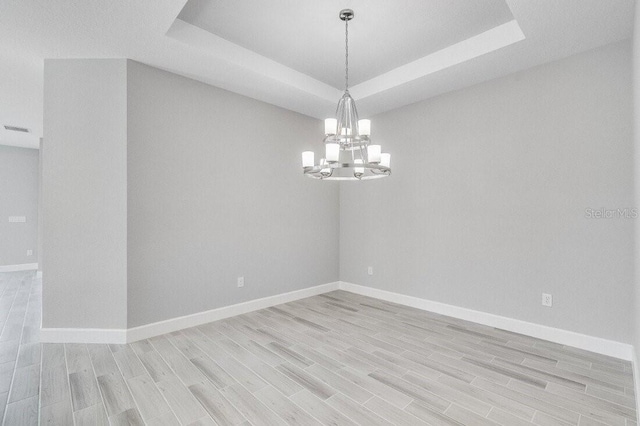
(85, 193)
(215, 192)
(486, 206)
(18, 197)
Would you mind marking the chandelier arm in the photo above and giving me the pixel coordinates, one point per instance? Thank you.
(328, 175)
(380, 172)
(361, 152)
(371, 171)
(363, 161)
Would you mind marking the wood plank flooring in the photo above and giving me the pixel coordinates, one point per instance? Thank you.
(334, 359)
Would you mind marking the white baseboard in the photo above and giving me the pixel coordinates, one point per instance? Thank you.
(636, 377)
(89, 335)
(20, 267)
(174, 324)
(83, 335)
(563, 337)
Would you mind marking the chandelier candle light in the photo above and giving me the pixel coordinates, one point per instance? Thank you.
(349, 154)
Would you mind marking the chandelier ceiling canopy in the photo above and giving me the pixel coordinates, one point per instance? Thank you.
(349, 153)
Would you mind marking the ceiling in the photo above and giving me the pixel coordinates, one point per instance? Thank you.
(291, 53)
(309, 37)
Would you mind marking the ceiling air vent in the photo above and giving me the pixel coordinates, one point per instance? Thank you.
(17, 129)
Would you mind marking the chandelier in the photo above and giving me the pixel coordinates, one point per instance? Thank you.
(349, 153)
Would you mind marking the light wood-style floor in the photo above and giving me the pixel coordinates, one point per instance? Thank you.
(335, 359)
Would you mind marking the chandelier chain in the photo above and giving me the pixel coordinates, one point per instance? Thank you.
(346, 55)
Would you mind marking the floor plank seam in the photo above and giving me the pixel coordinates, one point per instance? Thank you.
(66, 366)
(12, 386)
(154, 384)
(104, 405)
(15, 360)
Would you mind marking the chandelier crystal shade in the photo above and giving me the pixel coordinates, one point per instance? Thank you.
(348, 151)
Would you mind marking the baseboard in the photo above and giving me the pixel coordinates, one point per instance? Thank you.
(174, 324)
(119, 336)
(563, 337)
(20, 267)
(636, 377)
(83, 335)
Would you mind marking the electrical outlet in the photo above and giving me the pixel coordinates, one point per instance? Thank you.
(29, 252)
(240, 282)
(370, 270)
(547, 300)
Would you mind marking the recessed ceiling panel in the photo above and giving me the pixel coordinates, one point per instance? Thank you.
(290, 53)
(307, 36)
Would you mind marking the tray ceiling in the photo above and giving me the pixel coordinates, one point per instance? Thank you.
(308, 37)
(290, 53)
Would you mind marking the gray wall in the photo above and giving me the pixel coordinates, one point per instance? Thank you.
(160, 191)
(40, 218)
(486, 207)
(636, 140)
(18, 197)
(215, 191)
(85, 193)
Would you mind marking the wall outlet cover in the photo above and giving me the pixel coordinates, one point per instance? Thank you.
(547, 299)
